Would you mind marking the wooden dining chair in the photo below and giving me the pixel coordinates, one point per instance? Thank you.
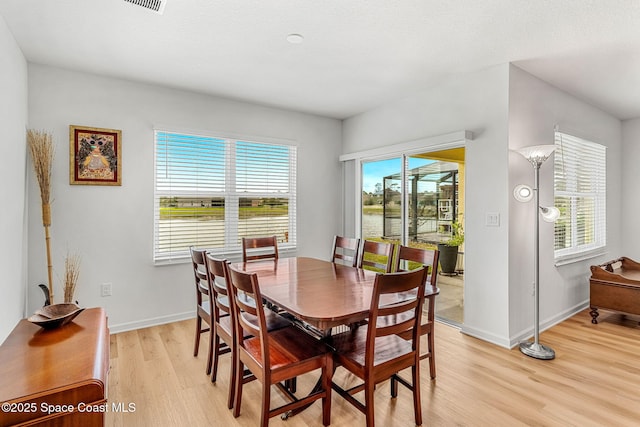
(203, 308)
(220, 308)
(409, 258)
(377, 256)
(257, 248)
(345, 250)
(223, 324)
(375, 352)
(274, 356)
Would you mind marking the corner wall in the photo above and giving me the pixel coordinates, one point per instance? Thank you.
(630, 193)
(13, 122)
(535, 107)
(112, 227)
(476, 102)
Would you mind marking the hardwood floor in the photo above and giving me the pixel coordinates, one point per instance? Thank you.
(593, 381)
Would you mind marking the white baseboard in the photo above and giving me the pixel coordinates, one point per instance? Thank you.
(154, 321)
(528, 333)
(485, 336)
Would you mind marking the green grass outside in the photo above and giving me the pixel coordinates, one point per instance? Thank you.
(217, 213)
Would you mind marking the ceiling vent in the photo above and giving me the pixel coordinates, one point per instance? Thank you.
(156, 5)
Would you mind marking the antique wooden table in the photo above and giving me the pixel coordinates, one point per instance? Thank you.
(56, 377)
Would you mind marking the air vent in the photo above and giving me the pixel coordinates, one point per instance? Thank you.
(156, 5)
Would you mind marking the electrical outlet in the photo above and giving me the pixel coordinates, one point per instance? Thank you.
(105, 290)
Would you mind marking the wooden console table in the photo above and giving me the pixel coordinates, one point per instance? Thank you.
(615, 285)
(56, 377)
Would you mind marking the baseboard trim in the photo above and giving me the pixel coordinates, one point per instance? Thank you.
(560, 317)
(485, 336)
(154, 321)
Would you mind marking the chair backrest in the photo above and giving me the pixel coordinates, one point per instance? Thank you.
(245, 291)
(200, 272)
(217, 282)
(410, 258)
(253, 248)
(376, 256)
(345, 250)
(399, 317)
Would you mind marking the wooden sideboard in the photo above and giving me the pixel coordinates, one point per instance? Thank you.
(56, 377)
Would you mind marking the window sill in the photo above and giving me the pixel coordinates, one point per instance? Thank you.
(582, 256)
(284, 251)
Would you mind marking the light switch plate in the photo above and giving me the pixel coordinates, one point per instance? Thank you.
(492, 219)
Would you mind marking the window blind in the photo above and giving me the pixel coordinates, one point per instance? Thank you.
(210, 192)
(580, 194)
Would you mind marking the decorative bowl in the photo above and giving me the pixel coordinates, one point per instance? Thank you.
(55, 316)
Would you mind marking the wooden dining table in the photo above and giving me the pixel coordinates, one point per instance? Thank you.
(321, 293)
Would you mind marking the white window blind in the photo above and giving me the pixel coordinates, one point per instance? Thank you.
(210, 192)
(580, 193)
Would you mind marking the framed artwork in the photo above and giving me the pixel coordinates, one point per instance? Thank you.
(95, 156)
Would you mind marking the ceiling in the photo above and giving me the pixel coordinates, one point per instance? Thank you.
(356, 54)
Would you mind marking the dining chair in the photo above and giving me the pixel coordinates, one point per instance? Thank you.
(407, 259)
(203, 308)
(261, 248)
(345, 250)
(377, 256)
(375, 352)
(223, 324)
(257, 248)
(274, 356)
(222, 329)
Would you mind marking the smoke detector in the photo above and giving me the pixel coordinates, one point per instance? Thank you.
(155, 5)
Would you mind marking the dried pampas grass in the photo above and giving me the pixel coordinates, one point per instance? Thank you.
(71, 274)
(41, 148)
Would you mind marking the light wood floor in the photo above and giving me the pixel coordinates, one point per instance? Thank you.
(594, 381)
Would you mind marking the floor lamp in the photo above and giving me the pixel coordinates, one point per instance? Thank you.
(536, 155)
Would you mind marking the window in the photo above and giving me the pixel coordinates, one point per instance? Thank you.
(580, 194)
(210, 192)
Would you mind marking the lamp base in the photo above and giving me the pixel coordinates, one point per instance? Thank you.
(537, 351)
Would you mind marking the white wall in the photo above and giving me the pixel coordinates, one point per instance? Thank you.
(535, 107)
(13, 122)
(112, 227)
(505, 108)
(630, 193)
(476, 102)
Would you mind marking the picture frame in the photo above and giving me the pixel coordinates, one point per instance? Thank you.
(95, 156)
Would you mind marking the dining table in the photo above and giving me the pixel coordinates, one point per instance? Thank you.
(321, 293)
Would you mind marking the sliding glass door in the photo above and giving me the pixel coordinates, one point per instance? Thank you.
(415, 200)
(382, 199)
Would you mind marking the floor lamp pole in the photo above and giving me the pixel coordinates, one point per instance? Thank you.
(535, 349)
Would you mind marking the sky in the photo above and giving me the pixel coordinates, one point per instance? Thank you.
(373, 172)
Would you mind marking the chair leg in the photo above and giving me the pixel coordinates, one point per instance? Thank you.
(196, 346)
(237, 401)
(266, 402)
(432, 357)
(327, 373)
(214, 342)
(232, 379)
(394, 387)
(291, 384)
(368, 402)
(417, 402)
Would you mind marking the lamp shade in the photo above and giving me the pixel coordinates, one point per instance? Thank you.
(537, 154)
(550, 214)
(523, 193)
